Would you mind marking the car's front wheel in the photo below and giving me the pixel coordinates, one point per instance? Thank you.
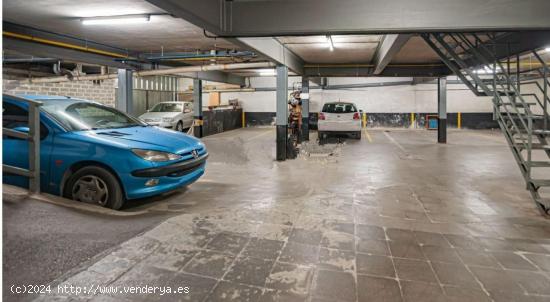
(93, 184)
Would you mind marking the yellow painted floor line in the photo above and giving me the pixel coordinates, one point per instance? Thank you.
(368, 135)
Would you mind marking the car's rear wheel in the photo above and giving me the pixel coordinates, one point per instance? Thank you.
(322, 137)
(93, 184)
(179, 126)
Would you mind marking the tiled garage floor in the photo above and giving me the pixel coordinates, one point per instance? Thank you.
(394, 217)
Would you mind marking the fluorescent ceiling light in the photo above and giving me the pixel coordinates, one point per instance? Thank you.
(266, 72)
(487, 70)
(330, 43)
(124, 19)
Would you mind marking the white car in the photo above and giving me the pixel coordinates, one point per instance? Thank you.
(339, 118)
(173, 115)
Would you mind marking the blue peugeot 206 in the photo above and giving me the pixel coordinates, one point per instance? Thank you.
(96, 154)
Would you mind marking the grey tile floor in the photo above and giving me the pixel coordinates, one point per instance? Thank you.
(400, 219)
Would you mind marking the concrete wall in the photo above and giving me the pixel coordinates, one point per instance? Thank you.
(389, 99)
(100, 91)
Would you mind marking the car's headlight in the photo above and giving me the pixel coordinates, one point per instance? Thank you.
(167, 119)
(156, 156)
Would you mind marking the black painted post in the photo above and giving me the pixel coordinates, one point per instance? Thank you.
(282, 111)
(442, 110)
(197, 107)
(305, 109)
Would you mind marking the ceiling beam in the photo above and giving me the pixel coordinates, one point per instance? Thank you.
(207, 14)
(361, 70)
(317, 80)
(216, 76)
(272, 50)
(389, 47)
(322, 17)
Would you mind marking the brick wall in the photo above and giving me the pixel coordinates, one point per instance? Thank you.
(101, 91)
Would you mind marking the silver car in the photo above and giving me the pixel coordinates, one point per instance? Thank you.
(173, 115)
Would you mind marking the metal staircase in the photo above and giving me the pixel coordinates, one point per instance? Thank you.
(518, 85)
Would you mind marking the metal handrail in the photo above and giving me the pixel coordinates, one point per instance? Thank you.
(33, 137)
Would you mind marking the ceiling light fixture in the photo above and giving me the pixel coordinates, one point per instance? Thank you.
(124, 19)
(547, 49)
(330, 43)
(266, 72)
(487, 70)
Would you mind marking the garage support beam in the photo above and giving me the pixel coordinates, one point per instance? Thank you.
(282, 111)
(389, 47)
(197, 107)
(332, 17)
(125, 97)
(216, 76)
(305, 109)
(442, 110)
(272, 50)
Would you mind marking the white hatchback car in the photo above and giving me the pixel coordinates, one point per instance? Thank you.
(173, 115)
(339, 118)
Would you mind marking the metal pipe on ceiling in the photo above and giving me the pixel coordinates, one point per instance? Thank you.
(62, 44)
(166, 71)
(191, 56)
(28, 60)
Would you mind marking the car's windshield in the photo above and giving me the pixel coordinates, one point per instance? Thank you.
(86, 115)
(168, 107)
(339, 108)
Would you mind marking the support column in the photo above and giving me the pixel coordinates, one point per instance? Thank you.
(282, 111)
(305, 109)
(197, 107)
(442, 110)
(125, 95)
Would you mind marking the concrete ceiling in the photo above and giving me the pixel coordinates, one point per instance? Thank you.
(163, 32)
(347, 49)
(170, 34)
(416, 51)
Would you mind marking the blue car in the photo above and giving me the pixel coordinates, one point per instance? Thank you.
(96, 154)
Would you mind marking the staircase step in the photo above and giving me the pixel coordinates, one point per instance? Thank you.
(541, 132)
(540, 182)
(535, 146)
(517, 104)
(539, 164)
(544, 201)
(521, 116)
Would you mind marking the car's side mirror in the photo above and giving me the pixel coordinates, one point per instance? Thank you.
(22, 129)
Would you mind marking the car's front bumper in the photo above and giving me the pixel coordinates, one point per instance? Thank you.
(161, 124)
(169, 177)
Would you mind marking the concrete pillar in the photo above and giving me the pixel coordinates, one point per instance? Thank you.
(197, 107)
(442, 110)
(125, 92)
(282, 111)
(305, 109)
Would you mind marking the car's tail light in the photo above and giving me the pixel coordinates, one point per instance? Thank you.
(356, 116)
(321, 116)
